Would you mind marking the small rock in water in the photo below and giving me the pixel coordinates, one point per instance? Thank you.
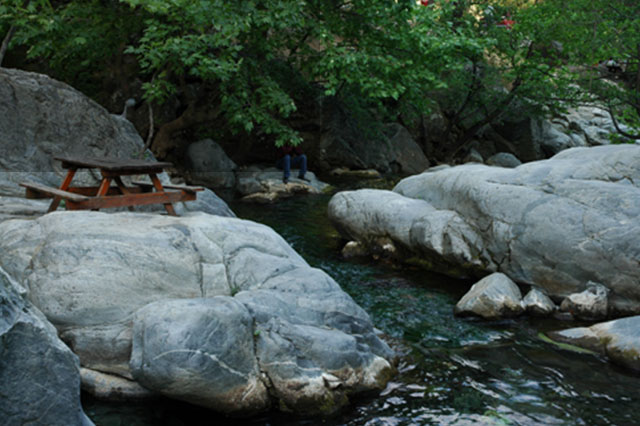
(537, 303)
(354, 249)
(591, 304)
(493, 297)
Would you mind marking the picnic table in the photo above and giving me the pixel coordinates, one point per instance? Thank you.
(107, 196)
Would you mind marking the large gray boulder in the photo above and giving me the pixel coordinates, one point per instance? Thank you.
(41, 118)
(217, 311)
(200, 351)
(207, 164)
(344, 142)
(619, 340)
(556, 224)
(39, 375)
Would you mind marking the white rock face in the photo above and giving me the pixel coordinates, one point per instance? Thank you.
(217, 311)
(555, 224)
(493, 297)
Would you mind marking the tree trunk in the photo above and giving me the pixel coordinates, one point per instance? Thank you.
(163, 143)
(5, 43)
(469, 133)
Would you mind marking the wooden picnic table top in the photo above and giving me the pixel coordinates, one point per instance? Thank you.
(114, 165)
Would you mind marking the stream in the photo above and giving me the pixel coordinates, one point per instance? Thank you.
(451, 370)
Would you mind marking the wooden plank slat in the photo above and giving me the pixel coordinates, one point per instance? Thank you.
(179, 187)
(91, 191)
(127, 200)
(121, 166)
(49, 192)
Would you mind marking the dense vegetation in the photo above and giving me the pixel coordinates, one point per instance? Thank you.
(249, 67)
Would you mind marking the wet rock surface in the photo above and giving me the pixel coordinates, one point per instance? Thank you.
(538, 304)
(591, 304)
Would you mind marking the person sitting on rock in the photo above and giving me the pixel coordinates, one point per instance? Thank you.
(292, 156)
(613, 66)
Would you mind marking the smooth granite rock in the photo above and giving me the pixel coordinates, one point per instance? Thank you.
(39, 375)
(493, 297)
(619, 340)
(212, 310)
(539, 304)
(200, 351)
(556, 224)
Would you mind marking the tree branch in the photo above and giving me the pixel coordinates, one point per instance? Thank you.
(5, 42)
(618, 129)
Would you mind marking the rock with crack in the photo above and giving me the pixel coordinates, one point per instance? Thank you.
(556, 224)
(200, 351)
(212, 310)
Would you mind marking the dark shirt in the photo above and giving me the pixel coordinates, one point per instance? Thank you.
(289, 150)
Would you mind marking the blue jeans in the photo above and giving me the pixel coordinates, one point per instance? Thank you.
(299, 161)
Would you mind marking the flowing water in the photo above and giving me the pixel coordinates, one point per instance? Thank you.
(451, 370)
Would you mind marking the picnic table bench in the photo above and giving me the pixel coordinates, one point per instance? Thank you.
(107, 196)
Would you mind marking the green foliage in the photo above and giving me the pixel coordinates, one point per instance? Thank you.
(76, 39)
(259, 61)
(592, 32)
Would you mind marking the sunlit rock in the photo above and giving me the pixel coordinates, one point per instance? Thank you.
(493, 297)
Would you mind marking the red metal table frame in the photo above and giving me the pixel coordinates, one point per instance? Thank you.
(107, 196)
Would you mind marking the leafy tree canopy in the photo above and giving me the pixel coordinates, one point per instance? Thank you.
(472, 60)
